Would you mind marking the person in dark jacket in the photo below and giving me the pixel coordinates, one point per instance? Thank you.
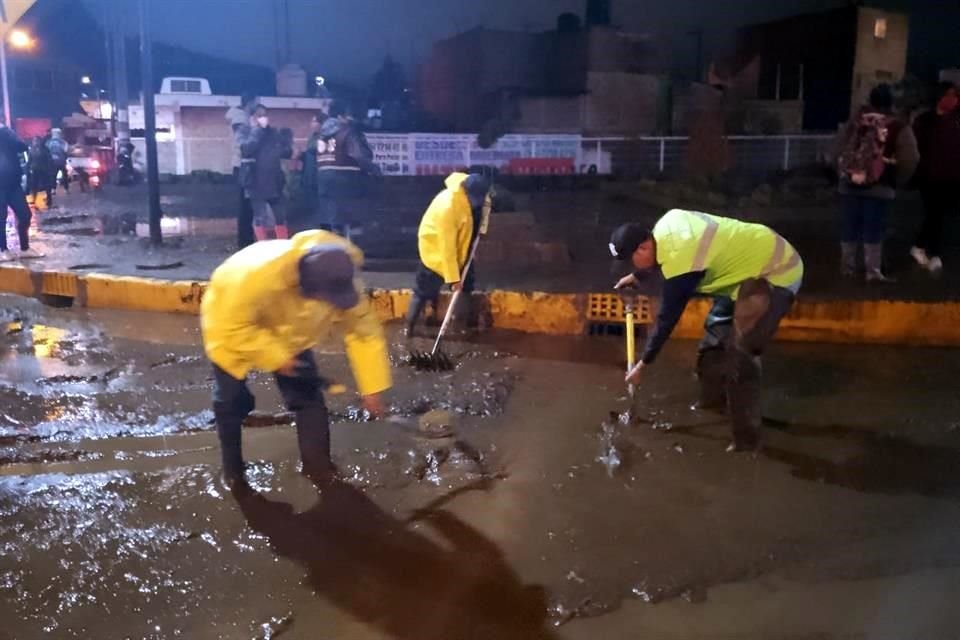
(59, 149)
(238, 117)
(865, 207)
(40, 166)
(308, 160)
(938, 176)
(268, 148)
(12, 196)
(344, 164)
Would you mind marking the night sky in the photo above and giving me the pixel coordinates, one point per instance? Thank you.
(347, 39)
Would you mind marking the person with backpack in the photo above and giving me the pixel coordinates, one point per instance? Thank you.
(938, 176)
(58, 153)
(877, 154)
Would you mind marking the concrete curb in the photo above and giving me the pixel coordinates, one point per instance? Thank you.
(835, 321)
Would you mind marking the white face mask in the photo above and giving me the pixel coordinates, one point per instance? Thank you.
(263, 121)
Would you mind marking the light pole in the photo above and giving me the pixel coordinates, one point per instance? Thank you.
(18, 39)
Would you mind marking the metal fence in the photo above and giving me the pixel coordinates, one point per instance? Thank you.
(758, 155)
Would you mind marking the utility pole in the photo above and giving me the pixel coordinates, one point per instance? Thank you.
(150, 123)
(121, 95)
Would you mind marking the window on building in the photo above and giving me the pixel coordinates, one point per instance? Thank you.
(880, 28)
(185, 86)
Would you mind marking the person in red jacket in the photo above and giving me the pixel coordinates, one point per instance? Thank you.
(938, 176)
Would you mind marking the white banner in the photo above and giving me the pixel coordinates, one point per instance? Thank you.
(440, 154)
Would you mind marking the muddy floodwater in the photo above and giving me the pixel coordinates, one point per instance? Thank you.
(518, 496)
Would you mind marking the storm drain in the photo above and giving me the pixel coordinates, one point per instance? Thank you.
(606, 314)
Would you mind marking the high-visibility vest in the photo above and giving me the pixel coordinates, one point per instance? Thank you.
(728, 251)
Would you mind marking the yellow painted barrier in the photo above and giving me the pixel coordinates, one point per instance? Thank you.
(834, 321)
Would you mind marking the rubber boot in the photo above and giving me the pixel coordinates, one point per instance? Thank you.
(261, 233)
(711, 373)
(231, 451)
(848, 259)
(313, 436)
(873, 263)
(413, 313)
(283, 233)
(743, 400)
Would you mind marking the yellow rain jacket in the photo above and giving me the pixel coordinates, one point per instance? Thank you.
(446, 230)
(253, 315)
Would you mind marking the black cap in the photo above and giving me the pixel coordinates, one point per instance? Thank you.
(326, 273)
(627, 238)
(476, 187)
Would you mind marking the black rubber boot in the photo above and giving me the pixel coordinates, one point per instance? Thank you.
(743, 397)
(313, 436)
(712, 374)
(413, 313)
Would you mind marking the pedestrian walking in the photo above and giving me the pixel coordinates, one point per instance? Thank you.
(58, 148)
(40, 178)
(238, 117)
(938, 175)
(12, 196)
(267, 147)
(266, 307)
(447, 231)
(877, 154)
(753, 275)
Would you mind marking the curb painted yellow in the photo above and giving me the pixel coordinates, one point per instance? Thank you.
(836, 321)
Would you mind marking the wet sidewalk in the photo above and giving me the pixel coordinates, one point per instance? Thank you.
(96, 233)
(543, 516)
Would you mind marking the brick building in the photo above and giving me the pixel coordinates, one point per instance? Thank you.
(830, 61)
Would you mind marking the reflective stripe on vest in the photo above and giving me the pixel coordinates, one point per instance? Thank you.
(776, 266)
(703, 249)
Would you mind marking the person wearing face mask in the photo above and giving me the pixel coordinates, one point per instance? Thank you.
(447, 232)
(751, 272)
(938, 176)
(267, 147)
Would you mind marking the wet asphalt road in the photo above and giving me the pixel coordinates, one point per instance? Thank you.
(544, 516)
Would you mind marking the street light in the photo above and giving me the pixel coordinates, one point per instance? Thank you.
(18, 39)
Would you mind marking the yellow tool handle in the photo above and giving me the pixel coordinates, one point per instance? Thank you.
(631, 340)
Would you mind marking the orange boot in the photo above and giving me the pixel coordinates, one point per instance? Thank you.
(283, 232)
(261, 233)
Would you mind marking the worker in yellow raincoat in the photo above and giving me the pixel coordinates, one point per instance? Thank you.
(265, 308)
(447, 231)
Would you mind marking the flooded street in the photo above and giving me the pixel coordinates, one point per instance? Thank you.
(509, 498)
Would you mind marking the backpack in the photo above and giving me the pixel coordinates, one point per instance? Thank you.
(862, 161)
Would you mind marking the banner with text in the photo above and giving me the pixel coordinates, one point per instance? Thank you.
(440, 154)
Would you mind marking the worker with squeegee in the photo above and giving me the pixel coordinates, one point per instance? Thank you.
(265, 308)
(445, 241)
(753, 275)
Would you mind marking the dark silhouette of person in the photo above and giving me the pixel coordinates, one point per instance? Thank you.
(376, 568)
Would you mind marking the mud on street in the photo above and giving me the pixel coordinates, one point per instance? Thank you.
(528, 507)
